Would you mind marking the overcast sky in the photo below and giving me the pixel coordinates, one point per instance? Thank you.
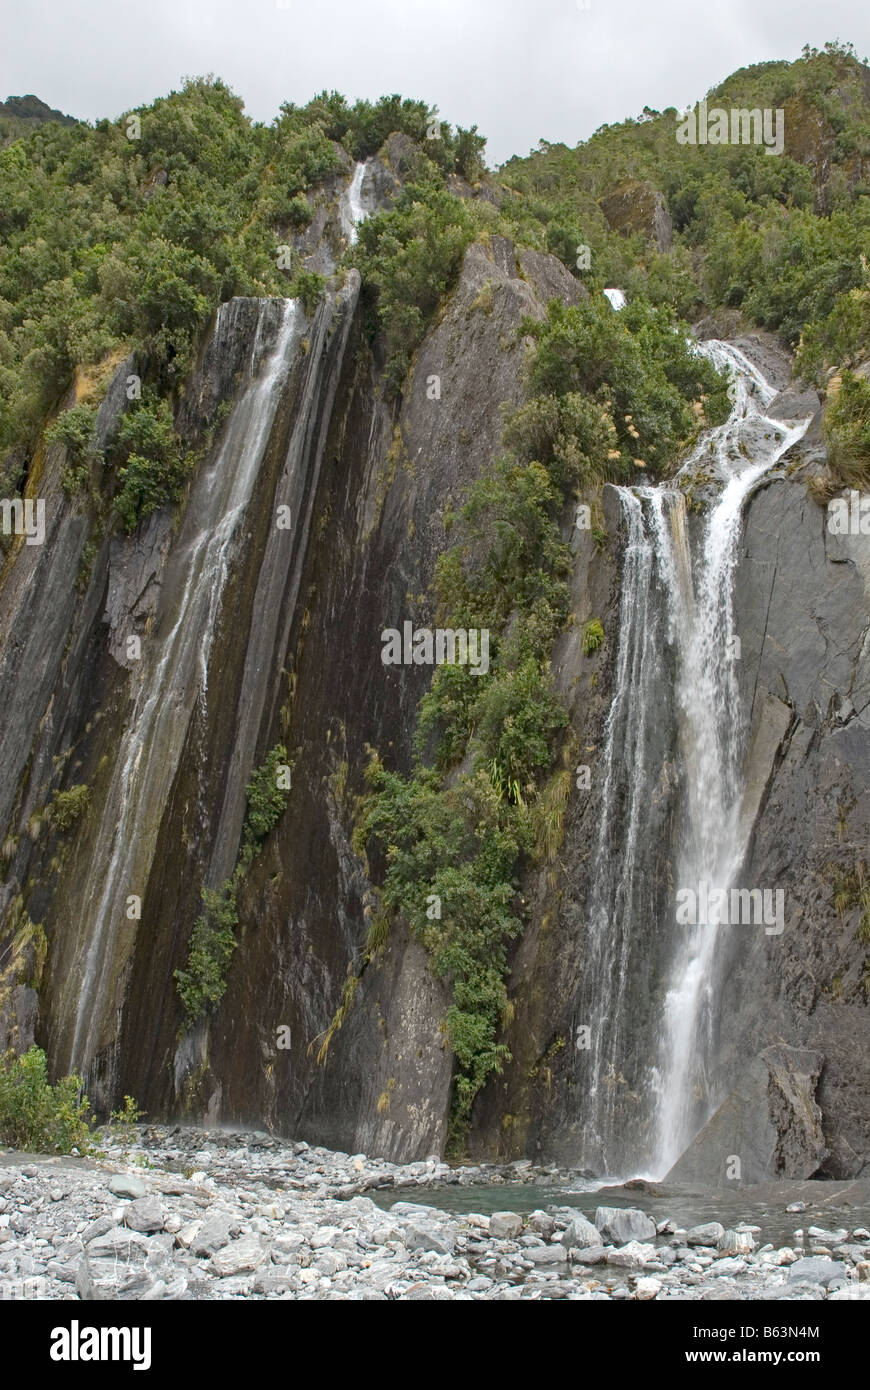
(518, 69)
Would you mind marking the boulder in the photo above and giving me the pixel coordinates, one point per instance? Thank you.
(634, 1255)
(144, 1214)
(591, 1255)
(213, 1234)
(542, 1224)
(239, 1257)
(126, 1185)
(420, 1235)
(117, 1241)
(622, 1224)
(110, 1279)
(708, 1234)
(505, 1225)
(735, 1243)
(647, 1288)
(816, 1269)
(580, 1235)
(546, 1254)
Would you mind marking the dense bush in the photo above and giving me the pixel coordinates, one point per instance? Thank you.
(153, 467)
(203, 983)
(109, 243)
(410, 257)
(37, 1116)
(847, 431)
(68, 806)
(74, 428)
(779, 238)
(266, 797)
(640, 367)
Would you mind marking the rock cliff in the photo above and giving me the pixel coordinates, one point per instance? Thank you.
(294, 654)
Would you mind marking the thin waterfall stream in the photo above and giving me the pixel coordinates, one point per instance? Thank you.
(670, 817)
(176, 672)
(350, 204)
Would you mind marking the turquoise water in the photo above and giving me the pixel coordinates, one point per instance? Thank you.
(826, 1207)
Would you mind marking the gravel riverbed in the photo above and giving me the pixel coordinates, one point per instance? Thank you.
(177, 1213)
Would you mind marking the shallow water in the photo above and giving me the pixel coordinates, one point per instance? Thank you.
(829, 1205)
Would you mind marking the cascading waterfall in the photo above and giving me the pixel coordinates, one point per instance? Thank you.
(620, 892)
(350, 206)
(174, 670)
(676, 701)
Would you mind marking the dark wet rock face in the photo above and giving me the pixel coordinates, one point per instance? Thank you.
(294, 655)
(803, 609)
(770, 1122)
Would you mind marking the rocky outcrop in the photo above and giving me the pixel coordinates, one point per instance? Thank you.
(635, 206)
(810, 136)
(768, 1127)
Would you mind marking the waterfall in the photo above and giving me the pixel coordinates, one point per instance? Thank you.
(616, 298)
(350, 207)
(672, 780)
(174, 669)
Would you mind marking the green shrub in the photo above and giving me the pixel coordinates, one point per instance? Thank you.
(304, 157)
(409, 257)
(842, 339)
(37, 1116)
(123, 1122)
(153, 467)
(267, 799)
(638, 365)
(69, 805)
(298, 211)
(468, 157)
(593, 636)
(308, 287)
(74, 428)
(847, 431)
(202, 984)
